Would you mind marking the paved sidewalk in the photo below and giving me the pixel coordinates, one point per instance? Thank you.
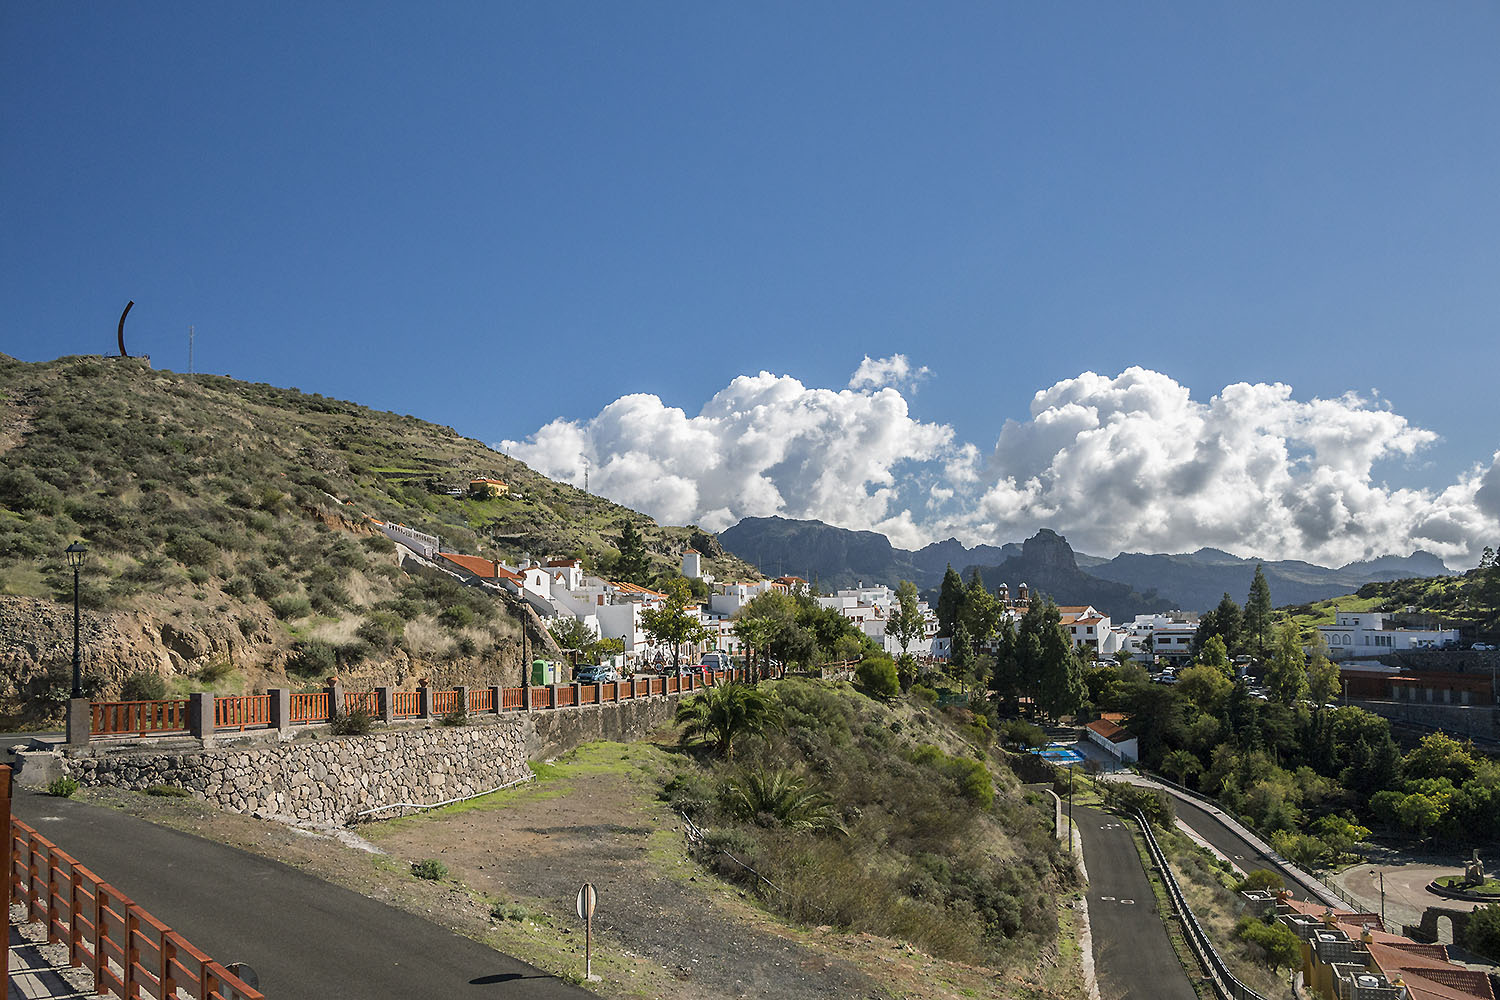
(38, 969)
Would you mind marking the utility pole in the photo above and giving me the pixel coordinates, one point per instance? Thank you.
(190, 350)
(1382, 899)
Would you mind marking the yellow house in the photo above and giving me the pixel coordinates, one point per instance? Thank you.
(487, 489)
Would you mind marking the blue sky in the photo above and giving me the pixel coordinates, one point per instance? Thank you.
(502, 216)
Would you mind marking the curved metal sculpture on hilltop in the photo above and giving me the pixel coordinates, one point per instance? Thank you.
(120, 330)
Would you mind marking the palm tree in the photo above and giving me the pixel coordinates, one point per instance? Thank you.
(782, 796)
(723, 713)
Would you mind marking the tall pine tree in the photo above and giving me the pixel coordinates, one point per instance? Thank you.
(633, 565)
(1255, 628)
(950, 602)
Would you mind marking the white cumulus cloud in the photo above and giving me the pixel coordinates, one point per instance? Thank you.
(895, 370)
(1130, 462)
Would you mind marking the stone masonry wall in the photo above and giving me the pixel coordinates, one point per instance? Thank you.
(328, 779)
(332, 778)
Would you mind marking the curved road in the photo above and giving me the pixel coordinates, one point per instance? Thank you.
(1133, 957)
(307, 939)
(1231, 844)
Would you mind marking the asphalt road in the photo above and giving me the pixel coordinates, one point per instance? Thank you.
(1133, 957)
(1212, 829)
(306, 938)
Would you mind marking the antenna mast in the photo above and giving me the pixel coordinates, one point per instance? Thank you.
(190, 350)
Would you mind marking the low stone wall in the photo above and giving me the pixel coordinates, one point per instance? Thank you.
(328, 779)
(319, 778)
(560, 730)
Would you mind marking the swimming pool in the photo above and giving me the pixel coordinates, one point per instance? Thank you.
(1061, 753)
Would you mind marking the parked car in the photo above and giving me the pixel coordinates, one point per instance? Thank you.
(1485, 646)
(596, 673)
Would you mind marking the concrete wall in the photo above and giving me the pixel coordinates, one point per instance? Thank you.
(1477, 721)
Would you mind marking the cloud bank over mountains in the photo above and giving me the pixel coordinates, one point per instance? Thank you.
(1129, 463)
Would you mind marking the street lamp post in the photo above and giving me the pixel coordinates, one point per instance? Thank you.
(75, 554)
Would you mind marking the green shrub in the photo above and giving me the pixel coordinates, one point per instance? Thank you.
(457, 717)
(1260, 878)
(924, 693)
(63, 787)
(430, 868)
(266, 584)
(509, 911)
(456, 616)
(168, 792)
(313, 658)
(215, 671)
(381, 629)
(356, 722)
(877, 675)
(290, 607)
(1482, 932)
(143, 685)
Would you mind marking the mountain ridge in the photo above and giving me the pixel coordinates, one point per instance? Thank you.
(1193, 581)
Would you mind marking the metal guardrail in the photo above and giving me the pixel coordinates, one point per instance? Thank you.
(1224, 981)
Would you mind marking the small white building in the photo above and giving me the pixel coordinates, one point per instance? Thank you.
(1115, 740)
(1369, 633)
(692, 563)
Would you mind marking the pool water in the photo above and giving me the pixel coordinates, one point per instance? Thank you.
(1059, 753)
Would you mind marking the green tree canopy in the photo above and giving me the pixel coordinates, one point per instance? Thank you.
(672, 623)
(950, 602)
(1287, 675)
(906, 624)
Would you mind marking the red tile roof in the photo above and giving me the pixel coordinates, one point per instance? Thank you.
(482, 568)
(1109, 730)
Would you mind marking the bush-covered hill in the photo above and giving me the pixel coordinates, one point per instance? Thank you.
(227, 540)
(887, 818)
(1470, 601)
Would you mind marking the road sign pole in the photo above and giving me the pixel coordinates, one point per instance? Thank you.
(587, 898)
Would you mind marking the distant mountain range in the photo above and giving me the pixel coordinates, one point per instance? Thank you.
(1129, 584)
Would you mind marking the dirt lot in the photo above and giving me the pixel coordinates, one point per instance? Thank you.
(663, 928)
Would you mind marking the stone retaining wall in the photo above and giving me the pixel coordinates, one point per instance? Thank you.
(320, 778)
(331, 778)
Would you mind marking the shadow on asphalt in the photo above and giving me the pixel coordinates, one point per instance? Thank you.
(502, 977)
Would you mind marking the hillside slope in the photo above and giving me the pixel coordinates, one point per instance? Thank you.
(228, 540)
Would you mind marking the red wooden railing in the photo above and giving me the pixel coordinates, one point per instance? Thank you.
(242, 712)
(129, 951)
(138, 718)
(310, 707)
(367, 700)
(149, 718)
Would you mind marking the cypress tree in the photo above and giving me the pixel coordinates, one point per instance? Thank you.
(1256, 627)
